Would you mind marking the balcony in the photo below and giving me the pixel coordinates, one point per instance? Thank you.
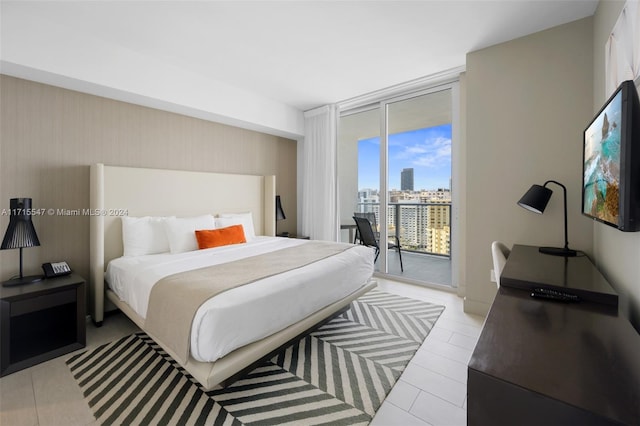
(424, 231)
(421, 267)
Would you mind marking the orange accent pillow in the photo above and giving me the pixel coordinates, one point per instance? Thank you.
(209, 238)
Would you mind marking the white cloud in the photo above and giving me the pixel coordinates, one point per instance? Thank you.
(430, 153)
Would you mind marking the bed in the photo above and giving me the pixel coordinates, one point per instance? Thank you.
(139, 192)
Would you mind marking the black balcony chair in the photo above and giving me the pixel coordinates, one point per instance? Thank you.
(371, 217)
(368, 238)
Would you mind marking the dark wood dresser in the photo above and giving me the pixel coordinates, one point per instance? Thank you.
(544, 362)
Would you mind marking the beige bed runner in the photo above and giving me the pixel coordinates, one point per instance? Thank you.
(175, 299)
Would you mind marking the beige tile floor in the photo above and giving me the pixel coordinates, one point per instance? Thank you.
(433, 388)
(431, 391)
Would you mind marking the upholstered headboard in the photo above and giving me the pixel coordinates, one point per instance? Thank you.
(117, 191)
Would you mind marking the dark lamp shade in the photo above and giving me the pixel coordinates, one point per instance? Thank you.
(279, 212)
(536, 198)
(20, 232)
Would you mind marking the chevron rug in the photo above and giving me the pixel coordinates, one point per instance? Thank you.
(339, 374)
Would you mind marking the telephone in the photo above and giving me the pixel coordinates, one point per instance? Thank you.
(56, 269)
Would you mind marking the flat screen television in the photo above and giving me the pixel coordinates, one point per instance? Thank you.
(611, 162)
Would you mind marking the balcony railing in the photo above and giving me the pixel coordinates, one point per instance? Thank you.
(420, 227)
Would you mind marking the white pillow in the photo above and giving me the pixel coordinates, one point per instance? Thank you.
(144, 235)
(244, 219)
(181, 232)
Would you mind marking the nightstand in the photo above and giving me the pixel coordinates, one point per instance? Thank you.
(41, 321)
(300, 237)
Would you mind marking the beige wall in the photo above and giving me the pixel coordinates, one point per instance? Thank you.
(617, 253)
(49, 136)
(527, 103)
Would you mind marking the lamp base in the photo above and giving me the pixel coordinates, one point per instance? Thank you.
(558, 251)
(21, 281)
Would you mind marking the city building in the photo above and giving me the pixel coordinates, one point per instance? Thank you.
(406, 179)
(421, 220)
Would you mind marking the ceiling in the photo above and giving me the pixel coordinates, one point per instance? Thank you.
(306, 53)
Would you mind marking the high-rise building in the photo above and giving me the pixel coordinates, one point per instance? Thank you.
(406, 179)
(367, 198)
(438, 228)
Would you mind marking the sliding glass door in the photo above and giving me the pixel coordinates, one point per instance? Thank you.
(418, 145)
(394, 161)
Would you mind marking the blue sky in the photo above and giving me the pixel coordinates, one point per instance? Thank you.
(428, 151)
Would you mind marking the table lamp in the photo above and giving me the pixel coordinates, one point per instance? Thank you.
(535, 200)
(20, 234)
(280, 215)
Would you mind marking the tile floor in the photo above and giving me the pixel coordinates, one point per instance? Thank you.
(431, 391)
(433, 388)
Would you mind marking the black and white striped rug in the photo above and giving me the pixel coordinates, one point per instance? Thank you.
(339, 374)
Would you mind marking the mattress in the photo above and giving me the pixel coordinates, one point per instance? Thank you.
(251, 312)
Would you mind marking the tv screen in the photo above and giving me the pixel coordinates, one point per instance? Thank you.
(611, 162)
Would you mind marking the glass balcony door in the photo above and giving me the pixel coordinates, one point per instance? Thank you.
(394, 160)
(418, 131)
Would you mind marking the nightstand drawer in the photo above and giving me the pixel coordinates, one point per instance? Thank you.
(43, 302)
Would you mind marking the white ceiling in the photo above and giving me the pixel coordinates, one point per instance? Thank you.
(306, 53)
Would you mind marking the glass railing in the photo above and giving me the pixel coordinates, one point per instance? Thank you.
(420, 227)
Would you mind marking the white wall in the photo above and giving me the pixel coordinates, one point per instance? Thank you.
(617, 254)
(41, 50)
(527, 103)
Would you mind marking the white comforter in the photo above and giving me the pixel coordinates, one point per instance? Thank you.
(251, 312)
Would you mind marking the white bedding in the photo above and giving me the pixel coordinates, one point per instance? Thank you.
(250, 312)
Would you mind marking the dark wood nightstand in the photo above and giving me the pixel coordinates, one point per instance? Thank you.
(41, 321)
(300, 237)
